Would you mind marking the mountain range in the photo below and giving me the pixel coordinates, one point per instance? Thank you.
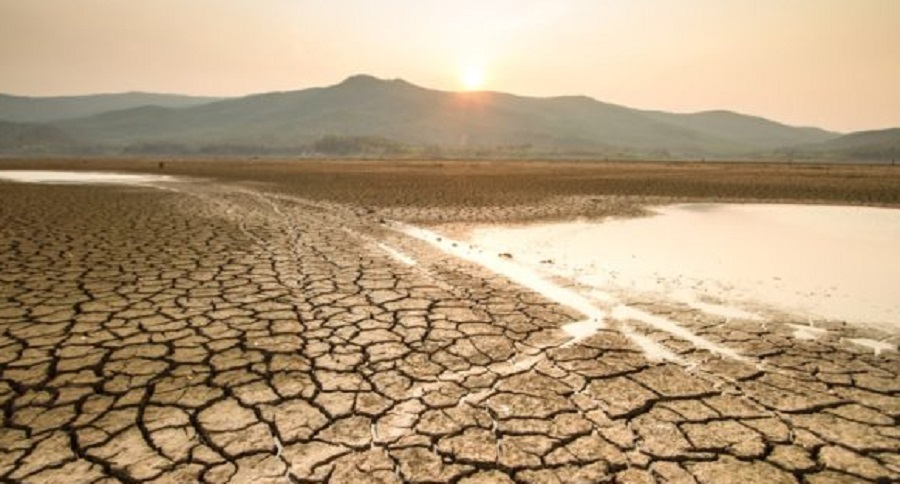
(42, 109)
(367, 116)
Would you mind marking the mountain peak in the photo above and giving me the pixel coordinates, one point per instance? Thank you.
(361, 78)
(367, 80)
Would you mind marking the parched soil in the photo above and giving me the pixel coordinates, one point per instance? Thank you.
(250, 326)
(514, 191)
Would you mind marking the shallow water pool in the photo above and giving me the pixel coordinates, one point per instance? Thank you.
(735, 260)
(79, 177)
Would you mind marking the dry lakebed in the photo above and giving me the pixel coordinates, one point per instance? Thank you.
(276, 321)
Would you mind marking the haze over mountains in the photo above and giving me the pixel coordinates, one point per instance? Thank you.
(367, 116)
(43, 109)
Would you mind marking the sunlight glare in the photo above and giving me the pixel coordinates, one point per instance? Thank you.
(472, 78)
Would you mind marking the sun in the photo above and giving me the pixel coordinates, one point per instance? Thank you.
(472, 78)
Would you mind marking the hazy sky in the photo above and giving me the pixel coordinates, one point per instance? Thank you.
(829, 63)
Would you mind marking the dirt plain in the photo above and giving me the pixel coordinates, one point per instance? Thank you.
(247, 326)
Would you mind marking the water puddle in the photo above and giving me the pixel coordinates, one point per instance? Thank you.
(512, 270)
(576, 331)
(626, 313)
(580, 330)
(728, 260)
(80, 177)
(808, 333)
(876, 346)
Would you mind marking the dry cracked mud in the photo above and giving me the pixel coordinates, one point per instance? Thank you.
(202, 332)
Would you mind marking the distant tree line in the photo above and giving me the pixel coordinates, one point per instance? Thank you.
(38, 139)
(357, 145)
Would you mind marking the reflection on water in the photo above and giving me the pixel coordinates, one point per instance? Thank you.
(818, 261)
(79, 177)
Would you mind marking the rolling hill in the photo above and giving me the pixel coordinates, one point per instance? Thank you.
(749, 131)
(33, 138)
(364, 114)
(22, 109)
(878, 145)
(363, 106)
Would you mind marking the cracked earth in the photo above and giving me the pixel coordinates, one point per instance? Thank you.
(212, 333)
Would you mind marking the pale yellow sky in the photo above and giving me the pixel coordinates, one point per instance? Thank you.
(828, 63)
